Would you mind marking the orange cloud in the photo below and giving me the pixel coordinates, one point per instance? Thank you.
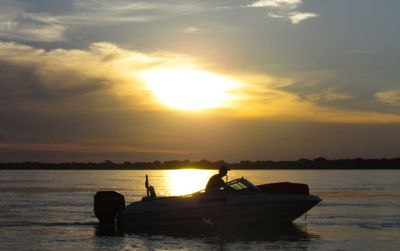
(108, 77)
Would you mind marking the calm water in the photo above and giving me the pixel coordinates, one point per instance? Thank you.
(52, 210)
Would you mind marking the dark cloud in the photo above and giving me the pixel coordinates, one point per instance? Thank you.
(28, 82)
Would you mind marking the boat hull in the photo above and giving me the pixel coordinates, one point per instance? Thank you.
(207, 212)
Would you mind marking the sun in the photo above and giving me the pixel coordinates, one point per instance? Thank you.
(190, 89)
(186, 181)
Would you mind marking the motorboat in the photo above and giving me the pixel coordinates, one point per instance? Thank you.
(237, 204)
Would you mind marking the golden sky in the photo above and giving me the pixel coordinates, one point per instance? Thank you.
(90, 80)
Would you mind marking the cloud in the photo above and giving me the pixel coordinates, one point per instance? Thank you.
(289, 4)
(285, 9)
(269, 97)
(75, 103)
(329, 95)
(106, 76)
(390, 97)
(43, 22)
(70, 100)
(297, 17)
(191, 29)
(36, 75)
(32, 31)
(28, 22)
(278, 105)
(17, 23)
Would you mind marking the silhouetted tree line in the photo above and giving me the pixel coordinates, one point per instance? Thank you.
(317, 163)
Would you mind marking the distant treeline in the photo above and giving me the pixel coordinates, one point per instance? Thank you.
(317, 163)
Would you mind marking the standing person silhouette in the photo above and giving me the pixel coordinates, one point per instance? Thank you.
(216, 181)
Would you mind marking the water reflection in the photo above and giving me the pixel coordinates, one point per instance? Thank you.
(107, 230)
(287, 232)
(186, 181)
(268, 237)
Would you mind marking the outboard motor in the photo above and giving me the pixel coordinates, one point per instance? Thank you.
(107, 204)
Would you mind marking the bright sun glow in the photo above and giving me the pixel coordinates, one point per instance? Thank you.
(186, 181)
(190, 89)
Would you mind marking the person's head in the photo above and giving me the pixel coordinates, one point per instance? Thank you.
(223, 170)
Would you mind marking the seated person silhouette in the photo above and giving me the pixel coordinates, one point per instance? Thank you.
(216, 182)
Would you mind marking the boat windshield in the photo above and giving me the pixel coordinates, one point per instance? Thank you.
(241, 185)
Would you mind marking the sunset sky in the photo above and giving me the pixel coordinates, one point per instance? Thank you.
(89, 80)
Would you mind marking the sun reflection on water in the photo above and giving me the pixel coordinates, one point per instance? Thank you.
(186, 181)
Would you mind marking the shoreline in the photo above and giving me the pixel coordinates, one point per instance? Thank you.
(301, 164)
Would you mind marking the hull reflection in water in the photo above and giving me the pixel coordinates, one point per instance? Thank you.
(275, 232)
(237, 206)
